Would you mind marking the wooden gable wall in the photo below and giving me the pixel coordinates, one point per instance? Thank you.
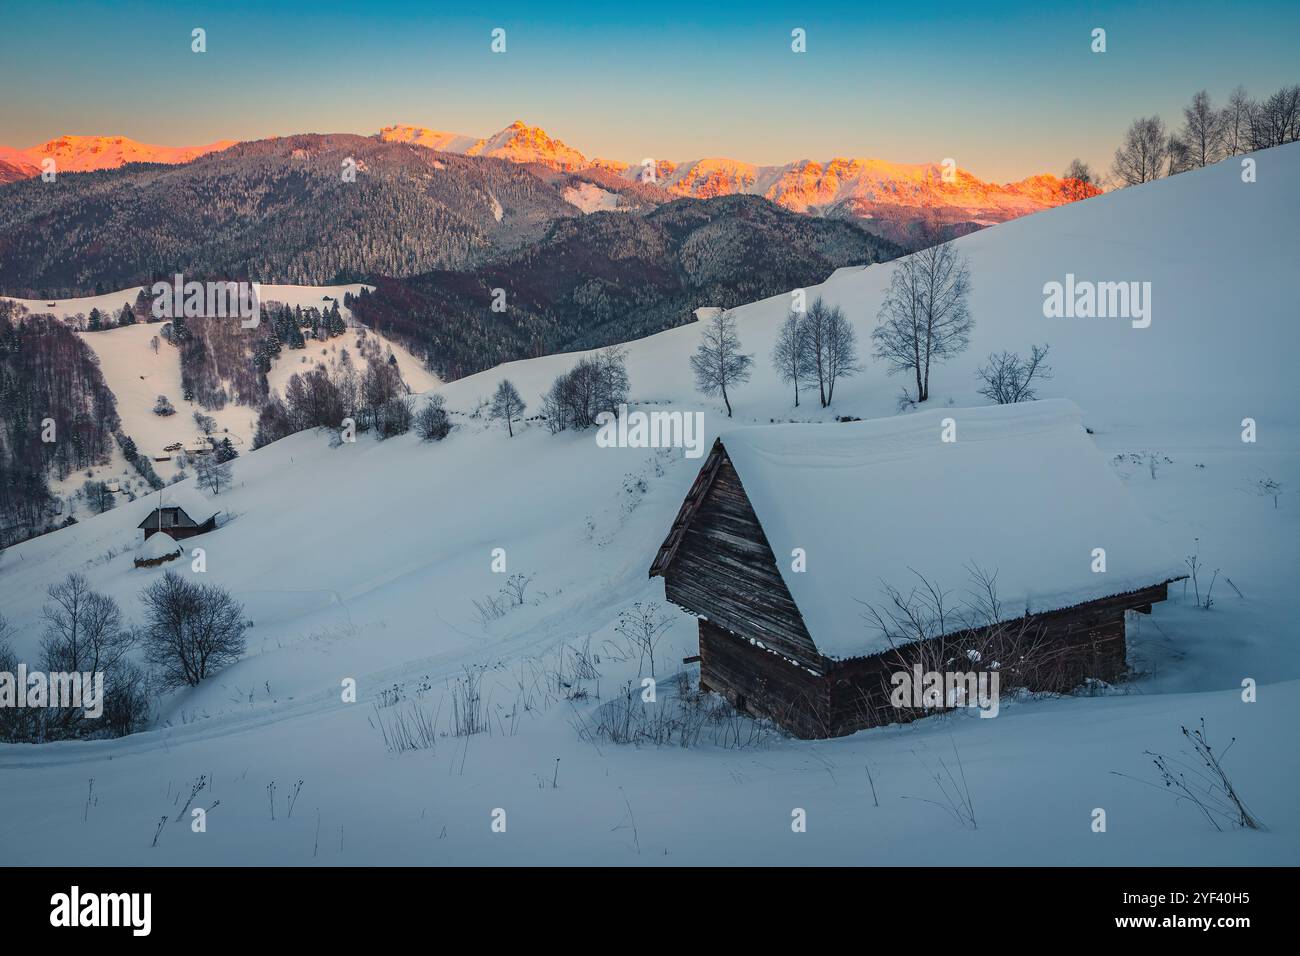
(719, 565)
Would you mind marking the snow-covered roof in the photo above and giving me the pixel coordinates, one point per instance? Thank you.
(185, 497)
(159, 545)
(1022, 492)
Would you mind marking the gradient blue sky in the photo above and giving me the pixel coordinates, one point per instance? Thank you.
(1006, 89)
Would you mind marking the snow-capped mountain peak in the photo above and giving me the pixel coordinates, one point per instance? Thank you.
(79, 154)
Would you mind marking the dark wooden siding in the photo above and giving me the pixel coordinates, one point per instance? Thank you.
(723, 569)
(1069, 646)
(178, 531)
(764, 684)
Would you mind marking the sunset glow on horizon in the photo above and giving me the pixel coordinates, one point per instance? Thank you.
(903, 85)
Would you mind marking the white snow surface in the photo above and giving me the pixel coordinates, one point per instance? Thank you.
(1022, 492)
(591, 198)
(158, 545)
(363, 560)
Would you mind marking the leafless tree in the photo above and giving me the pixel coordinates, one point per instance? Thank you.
(791, 356)
(212, 475)
(1080, 181)
(1141, 157)
(1179, 156)
(1008, 378)
(1081, 171)
(98, 498)
(1202, 131)
(84, 630)
(192, 630)
(831, 344)
(1276, 120)
(507, 405)
(84, 633)
(597, 383)
(718, 363)
(1235, 123)
(925, 318)
(18, 723)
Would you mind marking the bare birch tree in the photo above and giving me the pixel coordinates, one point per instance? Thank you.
(831, 345)
(1202, 132)
(1235, 122)
(718, 363)
(1141, 157)
(924, 318)
(790, 356)
(506, 404)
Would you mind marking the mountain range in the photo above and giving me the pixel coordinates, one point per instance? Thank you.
(602, 279)
(84, 154)
(908, 203)
(585, 258)
(897, 200)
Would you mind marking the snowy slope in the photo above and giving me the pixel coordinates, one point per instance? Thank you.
(137, 375)
(364, 561)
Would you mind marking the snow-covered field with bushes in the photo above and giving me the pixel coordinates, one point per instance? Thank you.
(371, 561)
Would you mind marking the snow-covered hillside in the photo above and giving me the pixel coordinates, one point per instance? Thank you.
(137, 374)
(366, 561)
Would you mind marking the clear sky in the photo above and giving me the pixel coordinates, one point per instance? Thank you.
(1006, 89)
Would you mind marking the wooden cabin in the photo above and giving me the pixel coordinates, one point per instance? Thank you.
(182, 514)
(791, 535)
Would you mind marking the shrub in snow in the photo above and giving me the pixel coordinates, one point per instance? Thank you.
(431, 421)
(1201, 780)
(163, 406)
(642, 625)
(1008, 378)
(393, 417)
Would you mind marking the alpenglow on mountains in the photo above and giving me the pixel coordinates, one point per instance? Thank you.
(895, 200)
(900, 201)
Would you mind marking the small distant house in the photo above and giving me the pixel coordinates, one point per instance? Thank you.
(791, 534)
(182, 514)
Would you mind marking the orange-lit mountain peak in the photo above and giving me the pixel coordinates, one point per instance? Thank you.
(78, 154)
